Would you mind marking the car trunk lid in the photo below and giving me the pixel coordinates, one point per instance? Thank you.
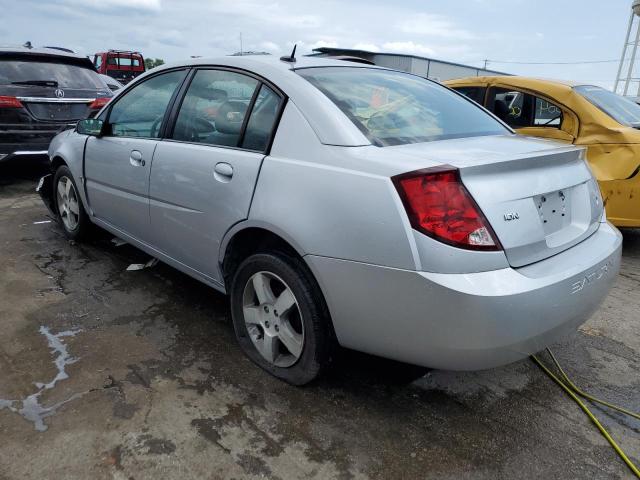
(539, 196)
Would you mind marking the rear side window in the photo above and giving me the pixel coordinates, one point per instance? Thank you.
(214, 109)
(621, 109)
(140, 111)
(64, 74)
(395, 108)
(520, 109)
(474, 93)
(262, 119)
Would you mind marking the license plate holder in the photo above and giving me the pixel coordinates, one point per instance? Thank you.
(554, 209)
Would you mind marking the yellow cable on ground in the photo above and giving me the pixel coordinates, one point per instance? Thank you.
(586, 395)
(570, 391)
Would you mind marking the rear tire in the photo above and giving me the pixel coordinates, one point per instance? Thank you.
(68, 205)
(294, 344)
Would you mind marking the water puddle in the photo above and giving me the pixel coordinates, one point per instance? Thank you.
(30, 407)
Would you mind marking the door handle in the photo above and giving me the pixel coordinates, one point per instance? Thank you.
(223, 172)
(135, 159)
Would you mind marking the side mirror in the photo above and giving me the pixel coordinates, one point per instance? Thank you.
(90, 126)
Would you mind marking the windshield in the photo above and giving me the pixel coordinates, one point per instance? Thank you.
(395, 108)
(621, 109)
(66, 75)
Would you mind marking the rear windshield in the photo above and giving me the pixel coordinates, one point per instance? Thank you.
(67, 76)
(621, 109)
(394, 108)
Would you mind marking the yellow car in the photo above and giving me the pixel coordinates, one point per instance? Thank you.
(606, 123)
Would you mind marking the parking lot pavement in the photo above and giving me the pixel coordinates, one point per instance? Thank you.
(108, 373)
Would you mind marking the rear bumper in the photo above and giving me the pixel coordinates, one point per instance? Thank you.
(28, 139)
(468, 321)
(37, 151)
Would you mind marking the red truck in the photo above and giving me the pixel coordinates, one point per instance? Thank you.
(122, 65)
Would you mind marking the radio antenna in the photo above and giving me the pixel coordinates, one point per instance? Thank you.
(291, 58)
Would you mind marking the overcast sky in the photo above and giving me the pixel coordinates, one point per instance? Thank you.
(466, 31)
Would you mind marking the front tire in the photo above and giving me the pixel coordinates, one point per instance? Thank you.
(70, 212)
(280, 317)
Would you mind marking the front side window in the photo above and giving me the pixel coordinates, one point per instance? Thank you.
(621, 109)
(214, 108)
(521, 110)
(140, 111)
(97, 61)
(395, 108)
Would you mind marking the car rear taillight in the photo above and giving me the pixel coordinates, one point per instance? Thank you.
(99, 102)
(10, 102)
(439, 205)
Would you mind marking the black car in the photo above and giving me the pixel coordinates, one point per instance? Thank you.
(42, 91)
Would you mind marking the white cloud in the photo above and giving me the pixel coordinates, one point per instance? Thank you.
(173, 38)
(270, 47)
(408, 47)
(175, 29)
(141, 5)
(371, 47)
(428, 24)
(266, 13)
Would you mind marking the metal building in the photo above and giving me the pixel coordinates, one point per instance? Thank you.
(439, 70)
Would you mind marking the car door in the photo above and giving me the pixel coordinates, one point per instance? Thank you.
(204, 174)
(117, 163)
(531, 114)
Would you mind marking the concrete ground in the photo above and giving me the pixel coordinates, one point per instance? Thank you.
(107, 373)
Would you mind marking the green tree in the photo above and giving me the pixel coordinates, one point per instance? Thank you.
(150, 63)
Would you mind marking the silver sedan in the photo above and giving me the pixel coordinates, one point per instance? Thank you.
(344, 204)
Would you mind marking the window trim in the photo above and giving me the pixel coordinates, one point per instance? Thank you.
(177, 105)
(130, 87)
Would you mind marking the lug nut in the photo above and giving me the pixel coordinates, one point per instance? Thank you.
(277, 328)
(266, 324)
(266, 309)
(275, 312)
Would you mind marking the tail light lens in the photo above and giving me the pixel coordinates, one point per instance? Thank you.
(10, 102)
(439, 205)
(99, 102)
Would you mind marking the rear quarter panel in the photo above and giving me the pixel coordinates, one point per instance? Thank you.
(318, 196)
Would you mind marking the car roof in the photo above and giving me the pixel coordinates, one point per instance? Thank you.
(518, 80)
(46, 52)
(331, 125)
(260, 61)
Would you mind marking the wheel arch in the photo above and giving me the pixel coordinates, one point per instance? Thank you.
(249, 237)
(56, 162)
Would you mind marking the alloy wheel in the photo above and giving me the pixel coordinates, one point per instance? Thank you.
(68, 206)
(273, 319)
